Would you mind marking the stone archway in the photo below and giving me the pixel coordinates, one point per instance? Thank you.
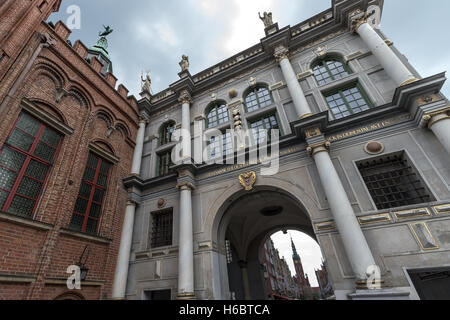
(247, 218)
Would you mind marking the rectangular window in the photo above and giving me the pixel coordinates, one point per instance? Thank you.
(162, 224)
(347, 101)
(262, 128)
(25, 162)
(218, 143)
(89, 205)
(164, 163)
(392, 182)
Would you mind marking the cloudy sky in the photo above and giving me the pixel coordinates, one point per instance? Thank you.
(153, 34)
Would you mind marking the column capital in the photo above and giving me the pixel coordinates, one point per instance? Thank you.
(185, 186)
(131, 202)
(357, 18)
(318, 147)
(431, 118)
(185, 97)
(281, 53)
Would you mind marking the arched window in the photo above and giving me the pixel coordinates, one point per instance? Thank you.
(165, 133)
(217, 113)
(330, 69)
(258, 97)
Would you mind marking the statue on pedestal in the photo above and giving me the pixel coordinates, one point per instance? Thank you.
(184, 63)
(266, 18)
(146, 82)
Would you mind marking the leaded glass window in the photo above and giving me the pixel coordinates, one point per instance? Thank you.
(257, 98)
(329, 70)
(262, 128)
(166, 133)
(164, 163)
(223, 142)
(25, 162)
(89, 204)
(162, 225)
(217, 114)
(348, 101)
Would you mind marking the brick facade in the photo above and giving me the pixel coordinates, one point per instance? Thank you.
(42, 75)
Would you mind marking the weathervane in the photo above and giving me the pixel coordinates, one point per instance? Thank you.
(106, 32)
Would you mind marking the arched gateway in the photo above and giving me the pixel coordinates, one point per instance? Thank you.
(246, 220)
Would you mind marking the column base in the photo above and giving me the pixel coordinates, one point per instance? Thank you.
(380, 294)
(375, 285)
(186, 296)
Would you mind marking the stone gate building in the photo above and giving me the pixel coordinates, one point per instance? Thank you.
(363, 168)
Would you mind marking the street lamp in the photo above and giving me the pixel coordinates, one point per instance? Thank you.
(83, 269)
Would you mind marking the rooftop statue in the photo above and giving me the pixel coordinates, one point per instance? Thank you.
(107, 31)
(146, 83)
(266, 18)
(184, 63)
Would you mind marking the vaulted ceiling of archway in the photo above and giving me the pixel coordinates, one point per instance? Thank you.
(245, 221)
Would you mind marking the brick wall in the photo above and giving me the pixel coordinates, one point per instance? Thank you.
(64, 86)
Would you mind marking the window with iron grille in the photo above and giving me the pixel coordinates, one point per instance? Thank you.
(25, 162)
(88, 208)
(262, 127)
(164, 163)
(347, 101)
(257, 98)
(162, 225)
(166, 132)
(329, 70)
(217, 114)
(393, 182)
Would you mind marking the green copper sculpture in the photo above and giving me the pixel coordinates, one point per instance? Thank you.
(107, 31)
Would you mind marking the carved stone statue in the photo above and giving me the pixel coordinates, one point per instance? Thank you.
(146, 82)
(184, 63)
(266, 18)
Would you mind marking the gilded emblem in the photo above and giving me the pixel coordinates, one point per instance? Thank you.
(248, 180)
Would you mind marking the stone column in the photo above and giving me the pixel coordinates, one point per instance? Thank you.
(185, 100)
(391, 63)
(137, 157)
(123, 260)
(186, 245)
(439, 123)
(355, 244)
(298, 97)
(245, 281)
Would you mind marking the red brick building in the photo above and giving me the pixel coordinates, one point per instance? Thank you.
(66, 143)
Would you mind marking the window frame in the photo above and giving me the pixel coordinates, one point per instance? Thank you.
(29, 157)
(254, 89)
(262, 117)
(168, 242)
(322, 62)
(214, 107)
(94, 186)
(163, 133)
(223, 137)
(158, 162)
(339, 90)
